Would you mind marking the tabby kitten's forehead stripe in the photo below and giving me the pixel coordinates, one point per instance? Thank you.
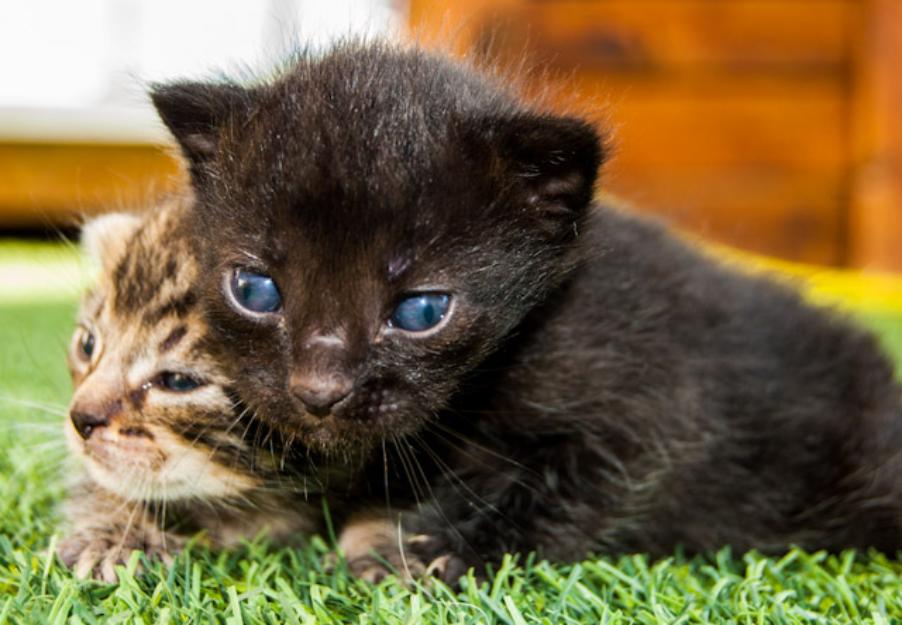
(178, 305)
(172, 339)
(157, 273)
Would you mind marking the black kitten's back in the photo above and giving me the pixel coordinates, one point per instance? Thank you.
(671, 401)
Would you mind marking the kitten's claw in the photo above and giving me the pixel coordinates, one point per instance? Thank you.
(438, 566)
(449, 568)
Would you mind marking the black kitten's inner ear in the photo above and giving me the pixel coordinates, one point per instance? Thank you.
(556, 160)
(557, 157)
(195, 112)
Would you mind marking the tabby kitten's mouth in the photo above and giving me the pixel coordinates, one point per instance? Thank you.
(126, 451)
(148, 463)
(116, 448)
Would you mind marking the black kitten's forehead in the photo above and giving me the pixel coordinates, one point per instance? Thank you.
(364, 139)
(386, 102)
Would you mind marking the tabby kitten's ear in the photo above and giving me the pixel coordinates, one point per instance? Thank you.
(104, 238)
(195, 113)
(556, 159)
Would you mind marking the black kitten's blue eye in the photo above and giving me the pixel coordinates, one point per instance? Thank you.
(178, 382)
(420, 312)
(255, 292)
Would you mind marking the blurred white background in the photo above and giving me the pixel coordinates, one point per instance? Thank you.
(79, 69)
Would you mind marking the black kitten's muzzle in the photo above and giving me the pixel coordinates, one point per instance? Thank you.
(320, 393)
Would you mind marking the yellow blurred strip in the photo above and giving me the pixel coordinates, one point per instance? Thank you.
(844, 288)
(838, 287)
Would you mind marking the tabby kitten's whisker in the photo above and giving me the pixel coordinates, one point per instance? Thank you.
(43, 407)
(44, 428)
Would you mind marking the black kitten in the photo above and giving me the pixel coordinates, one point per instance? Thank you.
(405, 271)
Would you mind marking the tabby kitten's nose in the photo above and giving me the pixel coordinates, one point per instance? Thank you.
(319, 393)
(85, 422)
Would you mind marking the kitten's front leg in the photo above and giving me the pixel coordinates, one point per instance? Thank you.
(376, 546)
(106, 529)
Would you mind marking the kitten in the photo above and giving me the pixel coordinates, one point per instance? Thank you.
(403, 269)
(167, 449)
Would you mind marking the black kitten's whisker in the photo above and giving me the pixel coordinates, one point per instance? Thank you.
(455, 480)
(436, 424)
(385, 477)
(414, 484)
(443, 433)
(437, 501)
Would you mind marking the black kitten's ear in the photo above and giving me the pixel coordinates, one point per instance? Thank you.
(195, 111)
(555, 158)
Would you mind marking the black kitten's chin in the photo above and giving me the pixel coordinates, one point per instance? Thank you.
(356, 428)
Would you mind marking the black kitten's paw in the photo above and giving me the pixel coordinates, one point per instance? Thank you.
(95, 552)
(385, 561)
(375, 548)
(388, 559)
(442, 562)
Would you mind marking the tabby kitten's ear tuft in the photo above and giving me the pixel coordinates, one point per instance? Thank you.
(103, 237)
(195, 112)
(555, 158)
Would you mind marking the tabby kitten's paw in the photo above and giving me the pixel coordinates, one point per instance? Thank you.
(94, 553)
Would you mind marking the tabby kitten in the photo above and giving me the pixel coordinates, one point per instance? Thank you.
(167, 448)
(403, 269)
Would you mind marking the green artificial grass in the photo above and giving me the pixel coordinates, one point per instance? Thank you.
(257, 584)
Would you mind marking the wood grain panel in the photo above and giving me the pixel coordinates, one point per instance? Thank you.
(876, 220)
(760, 163)
(704, 121)
(459, 26)
(45, 183)
(792, 35)
(766, 210)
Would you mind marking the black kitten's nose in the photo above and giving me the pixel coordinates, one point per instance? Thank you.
(85, 422)
(319, 393)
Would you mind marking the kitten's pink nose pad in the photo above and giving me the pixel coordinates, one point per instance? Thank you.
(86, 422)
(319, 393)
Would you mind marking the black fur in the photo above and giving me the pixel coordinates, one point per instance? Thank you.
(599, 385)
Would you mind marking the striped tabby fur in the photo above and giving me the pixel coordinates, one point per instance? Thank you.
(161, 464)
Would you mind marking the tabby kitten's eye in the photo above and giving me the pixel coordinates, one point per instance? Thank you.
(254, 292)
(178, 382)
(85, 343)
(420, 312)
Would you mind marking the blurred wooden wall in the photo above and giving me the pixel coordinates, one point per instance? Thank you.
(49, 184)
(773, 125)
